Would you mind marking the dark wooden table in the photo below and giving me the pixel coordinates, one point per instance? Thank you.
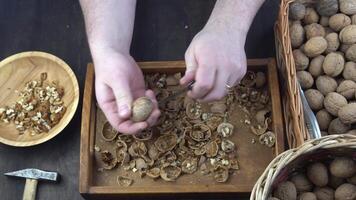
(163, 30)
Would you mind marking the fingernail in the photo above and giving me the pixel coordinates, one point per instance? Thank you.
(124, 110)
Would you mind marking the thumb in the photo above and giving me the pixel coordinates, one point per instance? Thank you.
(123, 97)
(191, 67)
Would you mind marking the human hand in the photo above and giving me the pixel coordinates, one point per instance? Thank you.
(215, 59)
(118, 82)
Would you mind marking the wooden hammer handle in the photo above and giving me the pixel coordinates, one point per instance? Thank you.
(30, 189)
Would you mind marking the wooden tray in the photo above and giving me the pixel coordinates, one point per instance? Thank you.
(253, 158)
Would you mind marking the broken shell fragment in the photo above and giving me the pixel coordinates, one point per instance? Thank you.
(200, 132)
(137, 149)
(190, 165)
(249, 79)
(225, 129)
(108, 159)
(153, 172)
(261, 116)
(260, 129)
(144, 135)
(234, 164)
(122, 156)
(227, 145)
(124, 181)
(193, 110)
(268, 139)
(221, 174)
(212, 149)
(153, 152)
(108, 133)
(166, 142)
(121, 145)
(213, 122)
(141, 164)
(170, 173)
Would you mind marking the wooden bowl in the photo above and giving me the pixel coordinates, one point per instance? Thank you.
(15, 72)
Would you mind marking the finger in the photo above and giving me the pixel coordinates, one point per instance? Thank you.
(107, 104)
(152, 119)
(123, 97)
(128, 127)
(204, 81)
(219, 90)
(191, 66)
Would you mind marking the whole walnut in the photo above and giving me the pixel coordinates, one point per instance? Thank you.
(307, 196)
(314, 98)
(339, 21)
(327, 7)
(316, 66)
(351, 53)
(347, 114)
(305, 79)
(333, 102)
(343, 167)
(314, 30)
(326, 84)
(351, 132)
(301, 182)
(300, 59)
(324, 193)
(315, 46)
(333, 64)
(296, 11)
(345, 191)
(337, 127)
(318, 174)
(335, 182)
(348, 7)
(348, 34)
(297, 34)
(286, 191)
(349, 72)
(324, 118)
(311, 16)
(333, 42)
(141, 109)
(347, 88)
(324, 21)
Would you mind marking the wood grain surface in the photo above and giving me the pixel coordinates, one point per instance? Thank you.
(15, 72)
(103, 184)
(163, 31)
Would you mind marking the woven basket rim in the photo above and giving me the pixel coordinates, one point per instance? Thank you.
(262, 188)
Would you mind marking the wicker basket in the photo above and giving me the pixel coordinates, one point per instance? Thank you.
(286, 163)
(296, 130)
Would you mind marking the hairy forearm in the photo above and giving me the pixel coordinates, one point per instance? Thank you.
(234, 14)
(109, 24)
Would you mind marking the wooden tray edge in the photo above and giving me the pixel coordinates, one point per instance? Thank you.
(85, 187)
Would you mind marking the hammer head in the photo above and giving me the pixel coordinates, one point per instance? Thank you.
(34, 174)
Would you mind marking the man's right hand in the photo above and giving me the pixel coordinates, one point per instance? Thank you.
(118, 82)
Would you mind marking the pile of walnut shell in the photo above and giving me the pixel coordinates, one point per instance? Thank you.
(321, 181)
(323, 38)
(190, 137)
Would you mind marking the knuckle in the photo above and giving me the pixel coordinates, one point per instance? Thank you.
(205, 86)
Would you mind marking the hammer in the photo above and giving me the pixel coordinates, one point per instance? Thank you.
(32, 177)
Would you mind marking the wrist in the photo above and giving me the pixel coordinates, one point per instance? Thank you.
(227, 30)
